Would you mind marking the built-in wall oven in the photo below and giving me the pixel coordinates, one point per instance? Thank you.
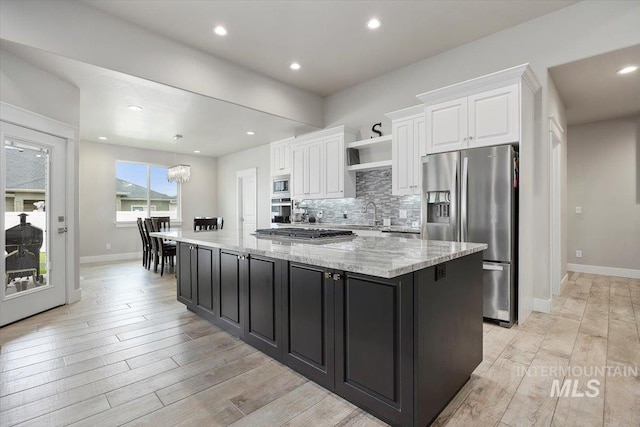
(280, 209)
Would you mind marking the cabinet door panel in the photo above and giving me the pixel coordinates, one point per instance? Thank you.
(335, 164)
(419, 150)
(298, 172)
(308, 323)
(315, 166)
(229, 292)
(185, 294)
(493, 117)
(446, 126)
(402, 157)
(374, 344)
(205, 279)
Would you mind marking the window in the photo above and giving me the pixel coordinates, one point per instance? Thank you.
(142, 190)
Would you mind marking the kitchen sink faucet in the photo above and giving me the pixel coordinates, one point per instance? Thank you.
(375, 212)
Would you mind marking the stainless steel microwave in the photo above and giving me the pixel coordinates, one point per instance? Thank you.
(280, 186)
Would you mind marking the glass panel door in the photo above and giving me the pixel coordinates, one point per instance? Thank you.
(33, 220)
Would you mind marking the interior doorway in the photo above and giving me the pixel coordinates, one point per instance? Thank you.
(247, 200)
(33, 180)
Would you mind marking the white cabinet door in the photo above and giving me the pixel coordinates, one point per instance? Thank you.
(299, 172)
(493, 117)
(335, 167)
(419, 150)
(315, 162)
(285, 157)
(275, 158)
(402, 162)
(446, 126)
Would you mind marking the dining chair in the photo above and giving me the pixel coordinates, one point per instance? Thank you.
(204, 223)
(164, 222)
(164, 249)
(153, 244)
(146, 244)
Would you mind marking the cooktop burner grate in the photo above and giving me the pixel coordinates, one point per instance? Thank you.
(303, 233)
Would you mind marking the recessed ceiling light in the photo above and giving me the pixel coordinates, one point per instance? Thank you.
(102, 138)
(39, 155)
(374, 23)
(196, 151)
(135, 107)
(220, 30)
(628, 69)
(250, 132)
(294, 66)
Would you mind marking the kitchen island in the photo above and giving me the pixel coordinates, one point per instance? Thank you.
(393, 325)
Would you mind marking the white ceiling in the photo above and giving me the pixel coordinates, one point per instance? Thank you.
(212, 126)
(591, 89)
(328, 38)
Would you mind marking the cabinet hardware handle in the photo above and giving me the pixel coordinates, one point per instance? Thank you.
(336, 277)
(327, 275)
(464, 139)
(470, 138)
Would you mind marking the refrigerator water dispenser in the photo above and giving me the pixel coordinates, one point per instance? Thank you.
(438, 207)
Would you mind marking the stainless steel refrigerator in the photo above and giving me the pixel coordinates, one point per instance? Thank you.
(471, 196)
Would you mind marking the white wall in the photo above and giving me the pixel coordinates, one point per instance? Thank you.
(78, 31)
(227, 189)
(97, 195)
(604, 180)
(579, 31)
(28, 87)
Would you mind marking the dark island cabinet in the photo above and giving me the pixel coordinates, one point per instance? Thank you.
(187, 262)
(261, 279)
(308, 322)
(229, 292)
(196, 278)
(374, 344)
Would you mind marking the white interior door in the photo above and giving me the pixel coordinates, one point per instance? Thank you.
(247, 209)
(34, 220)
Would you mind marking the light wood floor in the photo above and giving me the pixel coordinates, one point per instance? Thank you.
(129, 354)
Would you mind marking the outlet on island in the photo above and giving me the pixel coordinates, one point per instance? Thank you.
(403, 214)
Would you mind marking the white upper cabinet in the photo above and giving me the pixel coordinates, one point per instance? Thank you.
(281, 157)
(493, 117)
(335, 164)
(407, 144)
(318, 165)
(481, 112)
(479, 120)
(447, 125)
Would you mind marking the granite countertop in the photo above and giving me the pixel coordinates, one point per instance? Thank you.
(330, 226)
(385, 257)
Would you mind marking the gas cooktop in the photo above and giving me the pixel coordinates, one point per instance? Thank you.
(303, 233)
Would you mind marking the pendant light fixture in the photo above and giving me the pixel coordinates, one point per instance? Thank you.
(180, 172)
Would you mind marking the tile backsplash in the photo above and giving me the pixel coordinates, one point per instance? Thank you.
(371, 186)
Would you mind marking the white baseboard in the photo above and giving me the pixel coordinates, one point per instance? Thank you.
(110, 257)
(542, 305)
(564, 282)
(74, 296)
(605, 271)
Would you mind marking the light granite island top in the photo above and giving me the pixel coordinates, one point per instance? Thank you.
(385, 257)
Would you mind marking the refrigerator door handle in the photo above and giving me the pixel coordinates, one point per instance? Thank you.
(493, 267)
(463, 200)
(453, 212)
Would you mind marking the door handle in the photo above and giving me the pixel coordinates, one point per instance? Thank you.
(337, 277)
(492, 267)
(327, 275)
(463, 200)
(62, 230)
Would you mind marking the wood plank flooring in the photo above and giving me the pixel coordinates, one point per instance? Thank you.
(130, 354)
